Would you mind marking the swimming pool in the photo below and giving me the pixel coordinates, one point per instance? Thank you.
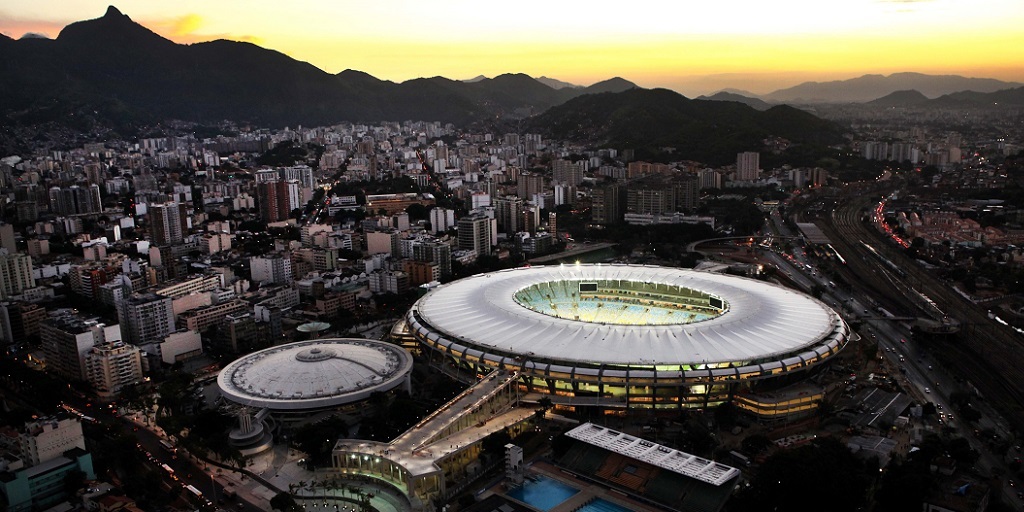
(543, 493)
(599, 505)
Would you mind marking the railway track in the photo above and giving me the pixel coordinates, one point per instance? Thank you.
(990, 355)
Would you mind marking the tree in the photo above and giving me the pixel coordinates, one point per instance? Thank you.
(755, 444)
(811, 472)
(285, 502)
(417, 211)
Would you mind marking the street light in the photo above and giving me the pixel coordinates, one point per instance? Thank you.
(213, 484)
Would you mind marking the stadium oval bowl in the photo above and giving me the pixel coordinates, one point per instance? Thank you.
(625, 335)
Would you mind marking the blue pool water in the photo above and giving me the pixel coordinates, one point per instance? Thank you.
(543, 493)
(599, 505)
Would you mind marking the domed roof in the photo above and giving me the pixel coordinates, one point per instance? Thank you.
(315, 373)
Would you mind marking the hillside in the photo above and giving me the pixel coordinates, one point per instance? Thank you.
(869, 87)
(649, 119)
(122, 73)
(740, 98)
(909, 98)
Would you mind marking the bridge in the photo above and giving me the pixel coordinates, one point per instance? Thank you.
(692, 246)
(439, 448)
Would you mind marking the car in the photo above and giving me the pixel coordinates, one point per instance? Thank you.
(926, 390)
(903, 340)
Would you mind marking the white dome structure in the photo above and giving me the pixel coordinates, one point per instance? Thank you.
(312, 376)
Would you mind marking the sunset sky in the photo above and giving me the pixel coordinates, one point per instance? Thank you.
(692, 47)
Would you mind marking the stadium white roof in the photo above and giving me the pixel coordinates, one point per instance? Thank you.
(655, 454)
(314, 374)
(762, 320)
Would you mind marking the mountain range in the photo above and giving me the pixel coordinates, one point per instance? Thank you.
(116, 66)
(1010, 97)
(871, 87)
(111, 72)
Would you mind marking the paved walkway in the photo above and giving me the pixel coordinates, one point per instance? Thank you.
(281, 468)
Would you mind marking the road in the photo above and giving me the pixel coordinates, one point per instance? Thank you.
(987, 353)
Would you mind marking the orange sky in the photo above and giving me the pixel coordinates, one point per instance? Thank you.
(693, 47)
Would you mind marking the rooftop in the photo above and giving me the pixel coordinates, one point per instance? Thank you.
(314, 373)
(750, 320)
(655, 454)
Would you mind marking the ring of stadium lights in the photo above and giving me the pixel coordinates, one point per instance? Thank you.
(759, 330)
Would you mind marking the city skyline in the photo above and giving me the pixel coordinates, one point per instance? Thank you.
(694, 49)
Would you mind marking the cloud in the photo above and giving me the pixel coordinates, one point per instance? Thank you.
(186, 24)
(176, 27)
(185, 30)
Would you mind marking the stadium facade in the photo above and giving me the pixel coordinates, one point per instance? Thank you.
(623, 337)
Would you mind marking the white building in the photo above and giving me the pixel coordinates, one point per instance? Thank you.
(48, 438)
(112, 366)
(272, 268)
(441, 219)
(15, 274)
(146, 318)
(66, 338)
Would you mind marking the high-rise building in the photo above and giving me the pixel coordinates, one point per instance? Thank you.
(508, 211)
(434, 252)
(7, 238)
(475, 234)
(15, 274)
(65, 339)
(146, 318)
(748, 165)
(388, 281)
(441, 219)
(660, 194)
(112, 366)
(273, 199)
(165, 221)
(529, 184)
(48, 438)
(564, 171)
(302, 173)
(271, 268)
(687, 191)
(18, 322)
(531, 218)
(75, 200)
(383, 242)
(608, 204)
(710, 178)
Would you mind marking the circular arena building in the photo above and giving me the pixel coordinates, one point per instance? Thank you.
(294, 381)
(628, 336)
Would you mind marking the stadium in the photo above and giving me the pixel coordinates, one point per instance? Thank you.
(625, 337)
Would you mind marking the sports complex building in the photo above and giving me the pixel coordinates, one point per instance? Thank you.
(297, 381)
(622, 337)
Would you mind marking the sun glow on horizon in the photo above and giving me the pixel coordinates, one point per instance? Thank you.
(654, 43)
